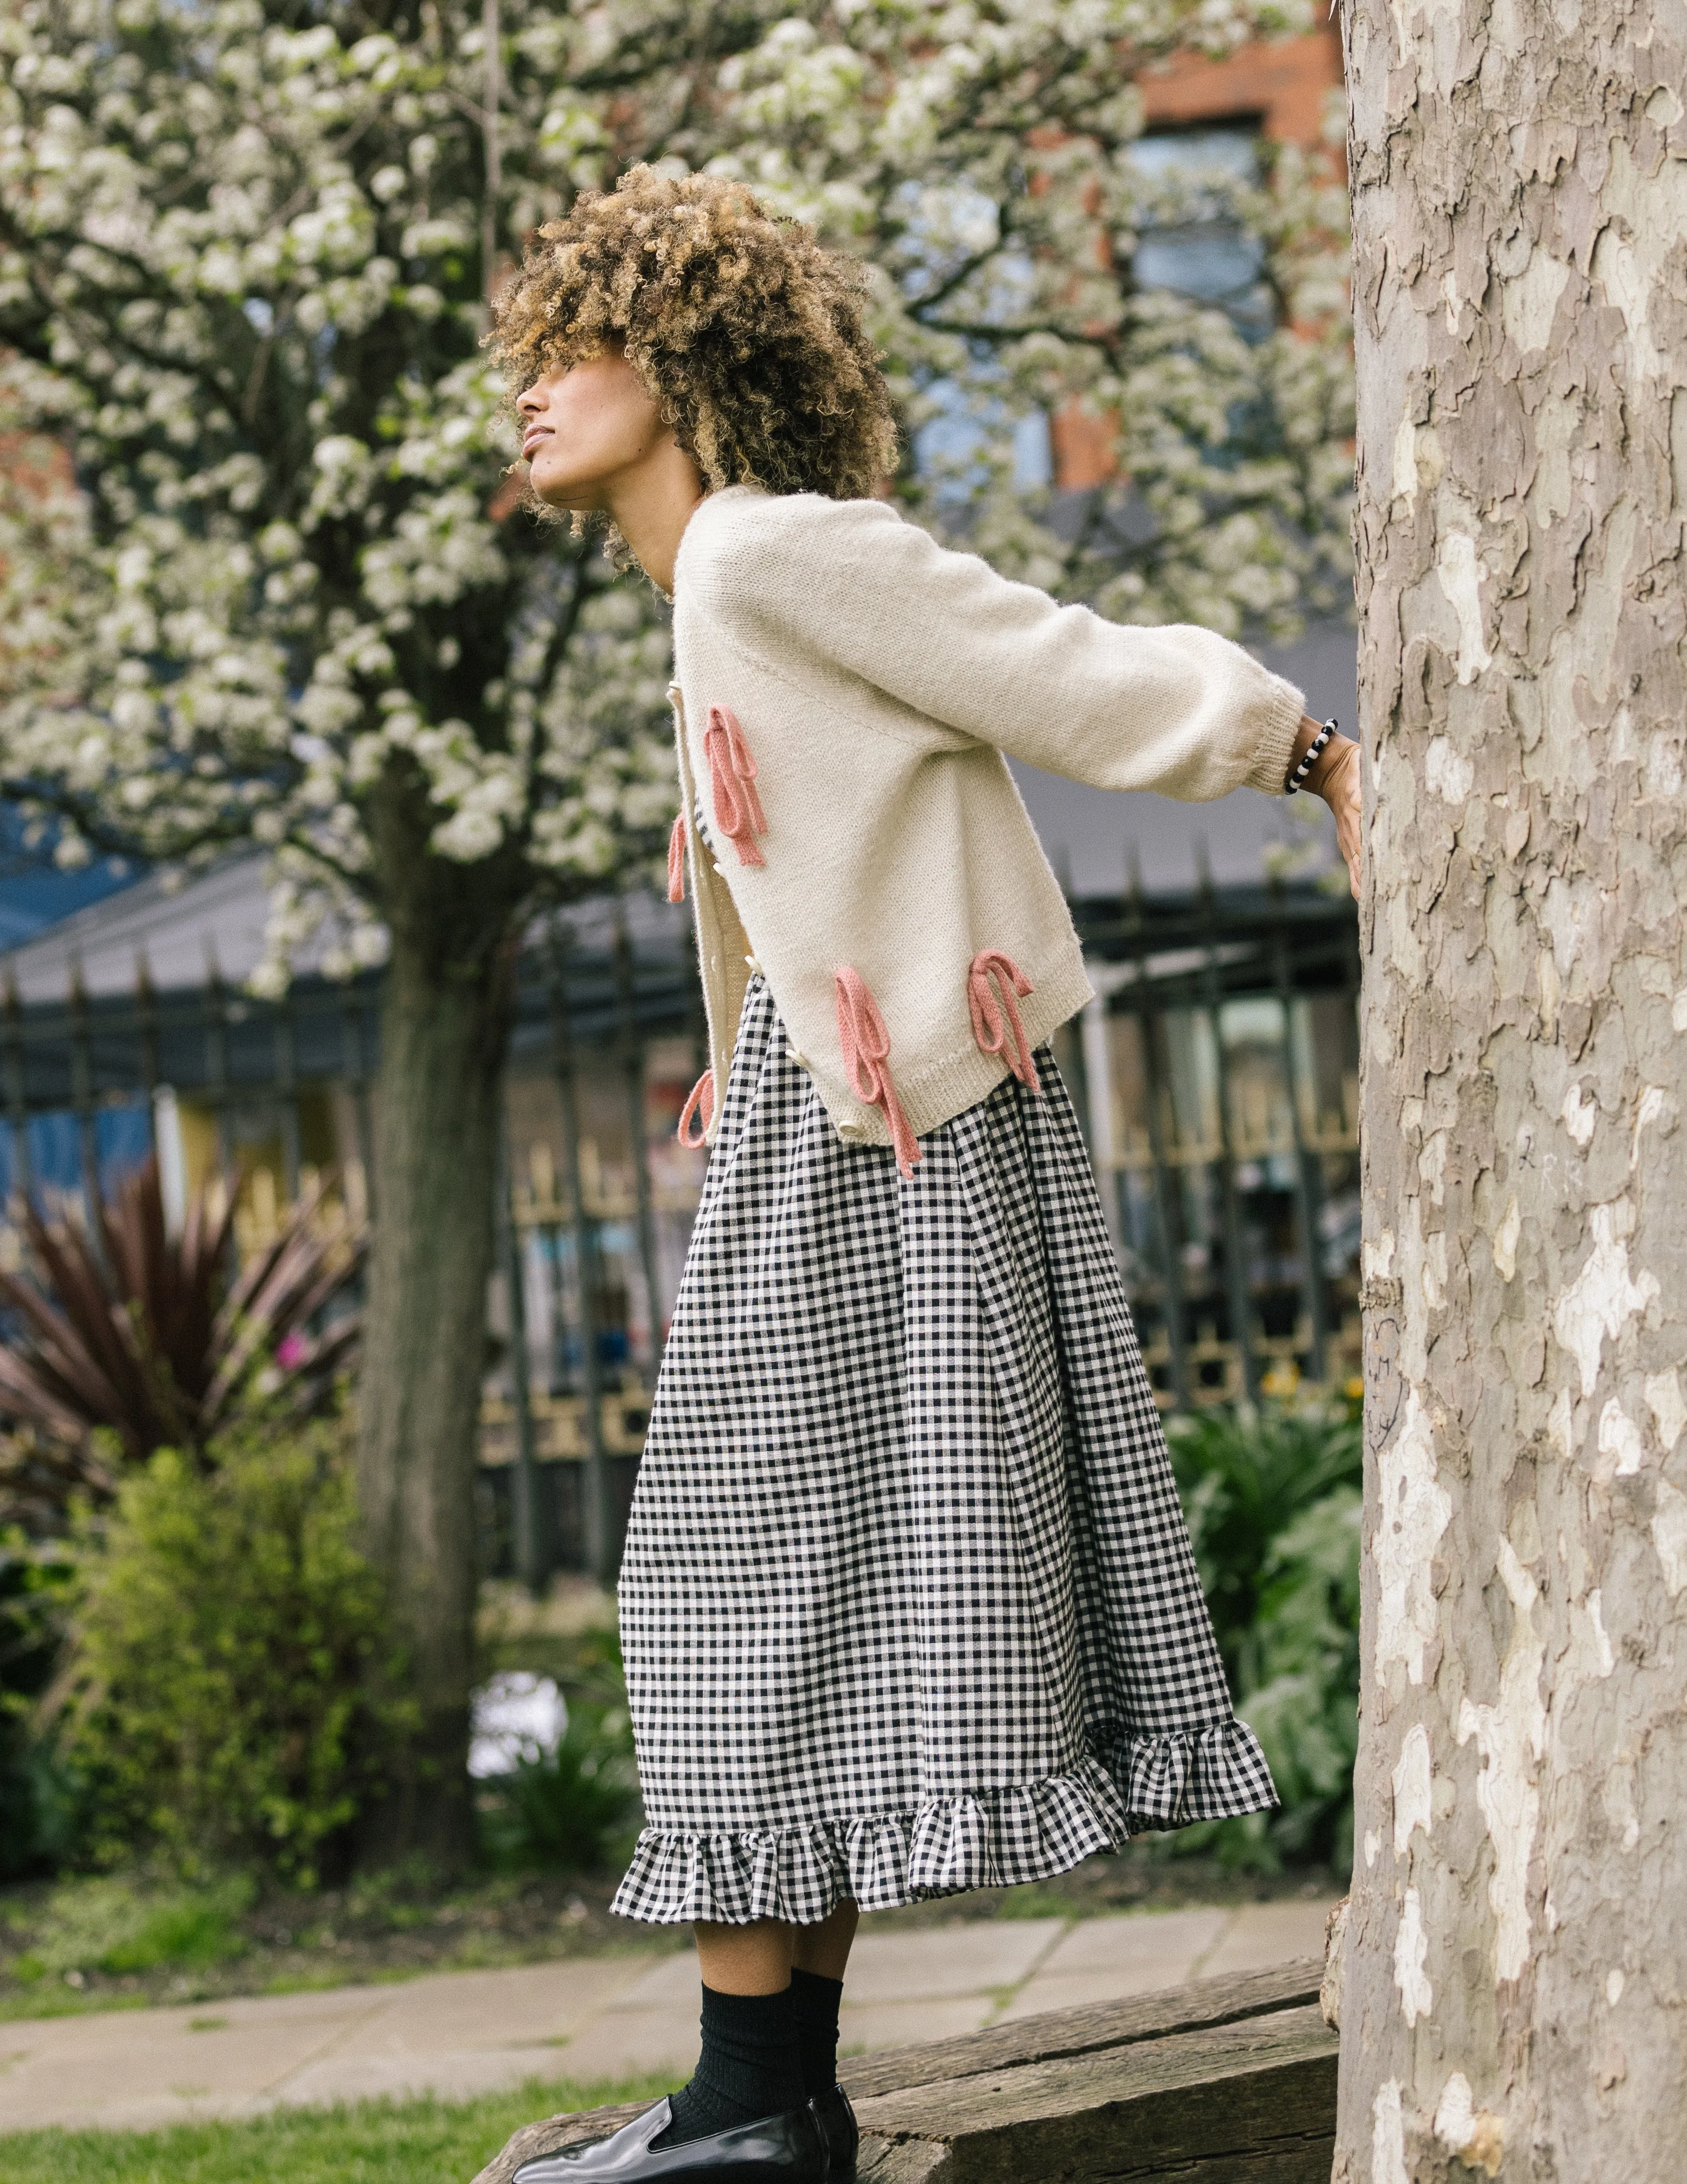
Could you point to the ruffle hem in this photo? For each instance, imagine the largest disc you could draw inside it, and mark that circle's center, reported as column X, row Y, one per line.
column 976, row 1839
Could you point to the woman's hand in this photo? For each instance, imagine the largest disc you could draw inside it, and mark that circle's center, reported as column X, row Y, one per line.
column 1336, row 779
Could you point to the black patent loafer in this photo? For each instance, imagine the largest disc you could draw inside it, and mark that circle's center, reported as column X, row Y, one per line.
column 788, row 2146
column 839, row 2131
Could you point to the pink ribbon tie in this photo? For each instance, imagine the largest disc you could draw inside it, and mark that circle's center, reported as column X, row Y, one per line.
column 866, row 1049
column 676, row 860
column 994, row 1020
column 700, row 1108
column 732, row 784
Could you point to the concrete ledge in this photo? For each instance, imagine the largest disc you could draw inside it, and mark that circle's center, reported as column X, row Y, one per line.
column 1228, row 2080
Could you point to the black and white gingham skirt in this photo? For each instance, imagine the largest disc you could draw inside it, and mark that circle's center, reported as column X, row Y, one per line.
column 907, row 1604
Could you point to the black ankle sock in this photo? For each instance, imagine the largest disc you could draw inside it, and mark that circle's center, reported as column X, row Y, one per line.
column 814, row 2003
column 750, row 2067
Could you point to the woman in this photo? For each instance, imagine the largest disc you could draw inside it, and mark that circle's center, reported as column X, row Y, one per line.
column 907, row 1601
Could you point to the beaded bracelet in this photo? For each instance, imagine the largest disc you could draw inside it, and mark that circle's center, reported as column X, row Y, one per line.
column 1315, row 751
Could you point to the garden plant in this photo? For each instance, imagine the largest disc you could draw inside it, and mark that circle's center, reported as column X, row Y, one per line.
column 229, row 1694
column 37, row 1817
column 1273, row 1499
column 126, row 1337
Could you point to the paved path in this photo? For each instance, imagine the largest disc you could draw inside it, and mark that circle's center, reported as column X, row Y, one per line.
column 458, row 2034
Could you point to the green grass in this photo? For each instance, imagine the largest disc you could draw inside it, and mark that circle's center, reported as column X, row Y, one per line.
column 426, row 2142
column 128, row 1940
column 65, row 2002
column 112, row 1923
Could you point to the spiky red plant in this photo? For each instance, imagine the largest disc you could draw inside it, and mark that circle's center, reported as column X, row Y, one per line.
column 144, row 1333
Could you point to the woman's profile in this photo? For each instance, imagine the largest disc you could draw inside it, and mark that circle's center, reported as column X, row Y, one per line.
column 907, row 1601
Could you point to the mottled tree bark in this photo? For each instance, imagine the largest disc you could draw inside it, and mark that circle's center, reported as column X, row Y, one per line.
column 444, row 1029
column 1515, row 1997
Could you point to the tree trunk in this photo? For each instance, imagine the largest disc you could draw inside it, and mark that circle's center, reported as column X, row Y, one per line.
column 444, row 1028
column 1514, row 2002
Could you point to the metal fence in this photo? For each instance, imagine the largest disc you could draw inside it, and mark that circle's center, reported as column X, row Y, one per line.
column 1215, row 1074
column 1221, row 1066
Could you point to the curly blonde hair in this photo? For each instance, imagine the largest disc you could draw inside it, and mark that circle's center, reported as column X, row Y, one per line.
column 746, row 333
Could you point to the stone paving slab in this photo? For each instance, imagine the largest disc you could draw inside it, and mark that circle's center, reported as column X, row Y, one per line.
column 629, row 2043
column 136, row 2067
column 875, row 2025
column 522, row 2007
column 1109, row 1959
column 459, row 2034
column 1262, row 1935
column 462, row 2076
column 1160, row 1943
column 947, row 1960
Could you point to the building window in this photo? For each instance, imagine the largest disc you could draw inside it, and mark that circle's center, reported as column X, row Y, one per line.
column 1194, row 241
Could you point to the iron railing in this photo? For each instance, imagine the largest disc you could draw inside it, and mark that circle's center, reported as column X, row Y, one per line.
column 1215, row 1074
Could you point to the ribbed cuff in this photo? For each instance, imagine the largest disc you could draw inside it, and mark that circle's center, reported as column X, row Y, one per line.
column 1275, row 749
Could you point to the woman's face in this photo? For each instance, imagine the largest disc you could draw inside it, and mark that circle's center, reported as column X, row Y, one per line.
column 586, row 427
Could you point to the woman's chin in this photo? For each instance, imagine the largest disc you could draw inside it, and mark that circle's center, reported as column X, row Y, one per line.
column 555, row 492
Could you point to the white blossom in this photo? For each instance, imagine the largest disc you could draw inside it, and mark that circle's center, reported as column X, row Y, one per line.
column 256, row 577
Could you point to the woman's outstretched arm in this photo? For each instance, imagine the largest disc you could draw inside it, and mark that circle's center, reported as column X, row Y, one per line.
column 1175, row 709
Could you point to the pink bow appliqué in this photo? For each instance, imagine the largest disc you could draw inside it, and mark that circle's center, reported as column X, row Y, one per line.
column 866, row 1048
column 699, row 1107
column 993, row 1019
column 676, row 860
column 732, row 784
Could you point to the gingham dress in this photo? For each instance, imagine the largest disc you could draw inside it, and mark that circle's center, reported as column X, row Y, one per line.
column 907, row 1603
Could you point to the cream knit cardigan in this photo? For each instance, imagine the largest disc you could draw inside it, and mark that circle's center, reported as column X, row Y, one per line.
column 876, row 680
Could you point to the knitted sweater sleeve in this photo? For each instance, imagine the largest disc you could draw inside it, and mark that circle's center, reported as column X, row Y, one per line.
column 1175, row 709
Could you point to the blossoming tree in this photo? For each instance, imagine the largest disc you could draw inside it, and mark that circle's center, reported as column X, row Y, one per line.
column 279, row 589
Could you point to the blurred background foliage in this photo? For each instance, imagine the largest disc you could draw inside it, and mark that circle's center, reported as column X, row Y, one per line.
column 125, row 1923
column 38, row 1808
column 574, row 1809
column 570, row 1810
column 1272, row 1500
column 228, row 1689
column 125, row 1337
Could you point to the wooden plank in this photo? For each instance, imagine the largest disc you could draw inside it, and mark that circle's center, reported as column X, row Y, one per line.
column 1283, row 2131
column 1254, row 2149
column 953, row 2108
column 1057, row 2032
column 904, row 2161
column 1251, row 2100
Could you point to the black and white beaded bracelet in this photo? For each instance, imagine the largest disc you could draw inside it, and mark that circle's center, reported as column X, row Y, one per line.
column 1315, row 751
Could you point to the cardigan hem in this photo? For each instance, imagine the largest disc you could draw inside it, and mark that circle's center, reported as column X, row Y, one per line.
column 995, row 1838
column 960, row 1080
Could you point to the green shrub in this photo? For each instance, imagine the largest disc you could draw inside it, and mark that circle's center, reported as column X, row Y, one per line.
column 228, row 1641
column 566, row 1813
column 37, row 1805
column 118, row 1924
column 1273, row 1499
